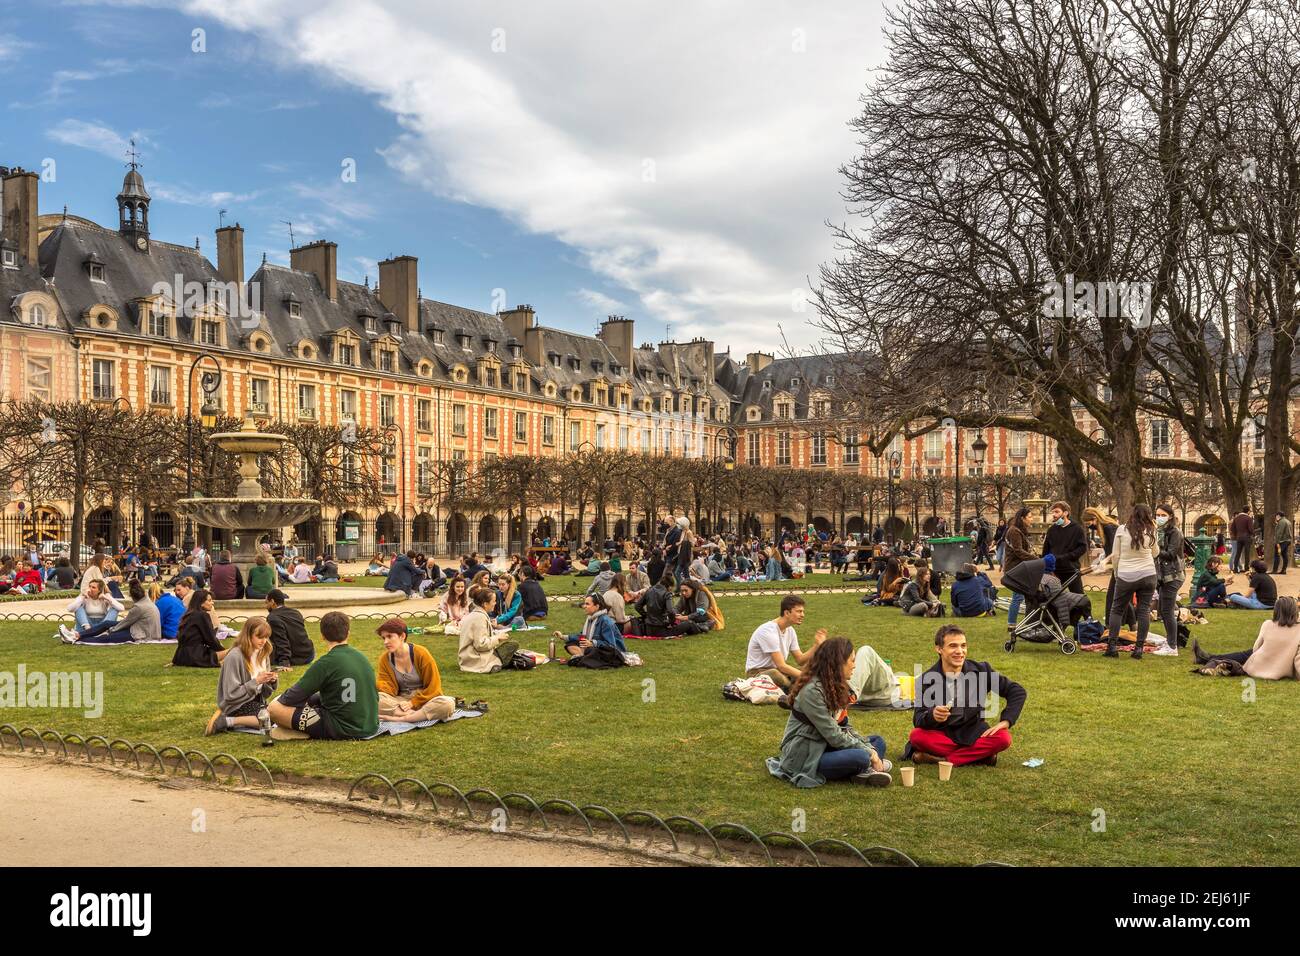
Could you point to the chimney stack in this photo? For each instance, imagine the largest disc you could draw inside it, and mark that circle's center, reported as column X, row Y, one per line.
column 321, row 259
column 757, row 361
column 616, row 333
column 399, row 289
column 230, row 254
column 19, row 213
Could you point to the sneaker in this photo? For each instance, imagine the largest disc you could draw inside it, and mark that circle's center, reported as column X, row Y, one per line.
column 886, row 765
column 216, row 724
column 1137, row 654
column 872, row 778
column 920, row 756
column 990, row 761
column 1165, row 651
column 67, row 634
column 1110, row 651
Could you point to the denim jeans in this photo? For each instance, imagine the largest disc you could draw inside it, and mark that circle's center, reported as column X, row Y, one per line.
column 1251, row 602
column 1144, row 588
column 1168, row 592
column 839, row 764
column 1016, row 600
column 85, row 621
column 1212, row 595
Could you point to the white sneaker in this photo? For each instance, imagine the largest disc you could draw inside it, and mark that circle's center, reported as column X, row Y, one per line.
column 67, row 635
column 1165, row 651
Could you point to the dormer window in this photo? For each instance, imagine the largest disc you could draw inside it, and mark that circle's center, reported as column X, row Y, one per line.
column 387, row 360
column 8, row 254
column 393, row 327
column 370, row 323
column 437, row 336
column 665, row 379
column 830, row 379
column 516, row 350
column 95, row 268
column 767, row 386
column 796, row 382
column 490, row 345
column 597, row 365
column 346, row 354
column 616, row 369
column 463, row 339
column 293, row 306
column 575, row 363
column 554, row 358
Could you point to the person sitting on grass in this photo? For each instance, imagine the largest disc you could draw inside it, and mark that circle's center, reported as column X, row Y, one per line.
column 170, row 609
column 300, row 572
column 405, row 577
column 409, row 685
column 532, row 599
column 378, row 565
column 973, row 594
column 225, row 580
column 774, row 646
column 326, row 570
column 693, row 605
column 197, row 644
column 262, row 577
column 1276, row 653
column 140, row 623
column 509, row 600
column 915, row 599
column 637, row 581
column 455, row 603
column 95, row 606
column 482, row 650
column 616, row 602
column 1210, row 589
column 246, row 683
column 1262, row 594
column 655, row 608
column 599, row 634
column 819, row 744
column 290, row 645
column 603, row 577
column 336, row 698
column 948, row 718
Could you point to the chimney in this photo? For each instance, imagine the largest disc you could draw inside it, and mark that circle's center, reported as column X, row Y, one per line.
column 230, row 254
column 616, row 333
column 321, row 259
column 399, row 289
column 757, row 361
column 519, row 320
column 18, row 212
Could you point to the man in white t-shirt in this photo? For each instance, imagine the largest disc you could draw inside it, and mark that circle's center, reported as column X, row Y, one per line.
column 774, row 645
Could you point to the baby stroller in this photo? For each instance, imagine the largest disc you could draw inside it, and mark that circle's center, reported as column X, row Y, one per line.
column 1050, row 607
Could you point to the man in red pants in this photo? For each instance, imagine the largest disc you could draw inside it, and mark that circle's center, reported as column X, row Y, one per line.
column 949, row 720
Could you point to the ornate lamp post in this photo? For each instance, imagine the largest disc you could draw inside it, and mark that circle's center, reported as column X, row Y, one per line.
column 895, row 469
column 978, row 449
column 209, row 382
column 389, row 431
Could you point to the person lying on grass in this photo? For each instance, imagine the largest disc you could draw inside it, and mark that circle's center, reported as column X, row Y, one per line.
column 598, row 630
column 246, row 683
column 197, row 644
column 819, row 744
column 409, row 685
column 774, row 645
column 482, row 649
column 336, row 698
column 1276, row 653
column 949, row 719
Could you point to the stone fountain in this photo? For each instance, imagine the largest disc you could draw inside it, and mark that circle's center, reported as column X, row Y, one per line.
column 249, row 515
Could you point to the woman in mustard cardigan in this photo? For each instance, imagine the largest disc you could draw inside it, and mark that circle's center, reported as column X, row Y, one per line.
column 410, row 687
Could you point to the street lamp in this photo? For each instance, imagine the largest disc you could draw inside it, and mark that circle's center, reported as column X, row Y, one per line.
column 210, row 382
column 583, row 447
column 1098, row 435
column 401, row 488
column 978, row 449
column 956, row 490
column 895, row 468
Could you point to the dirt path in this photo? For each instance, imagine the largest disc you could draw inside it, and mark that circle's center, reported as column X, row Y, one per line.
column 61, row 815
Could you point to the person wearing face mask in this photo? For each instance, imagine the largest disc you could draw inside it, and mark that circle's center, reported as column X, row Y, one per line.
column 1170, row 571
column 1065, row 541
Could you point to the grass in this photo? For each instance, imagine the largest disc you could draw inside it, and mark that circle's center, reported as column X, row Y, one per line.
column 1185, row 771
column 46, row 595
column 565, row 584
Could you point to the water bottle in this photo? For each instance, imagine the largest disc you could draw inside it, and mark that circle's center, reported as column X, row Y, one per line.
column 415, row 630
column 551, row 648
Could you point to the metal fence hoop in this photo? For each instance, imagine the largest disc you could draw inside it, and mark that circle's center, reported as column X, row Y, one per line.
column 270, row 780
column 58, row 737
column 375, row 776
column 422, row 789
column 156, row 756
column 125, row 748
column 17, row 736
column 889, row 850
column 182, row 761
column 701, row 828
column 493, row 794
column 90, row 755
column 208, row 763
column 646, row 814
column 234, row 765
column 848, row 847
column 442, row 785
column 34, row 734
column 741, row 828
column 793, row 839
column 532, row 805
column 613, row 818
column 572, row 806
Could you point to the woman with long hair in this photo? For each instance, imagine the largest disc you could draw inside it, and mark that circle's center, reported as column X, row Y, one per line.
column 916, row 599
column 616, row 600
column 455, row 603
column 196, row 638
column 819, row 744
column 508, row 598
column 1134, row 562
column 891, row 581
column 247, row 681
column 1018, row 548
column 1276, row 653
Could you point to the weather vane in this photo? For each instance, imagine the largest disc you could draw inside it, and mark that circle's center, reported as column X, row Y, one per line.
column 134, row 154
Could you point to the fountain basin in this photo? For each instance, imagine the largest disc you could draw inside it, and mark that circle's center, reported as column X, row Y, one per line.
column 240, row 514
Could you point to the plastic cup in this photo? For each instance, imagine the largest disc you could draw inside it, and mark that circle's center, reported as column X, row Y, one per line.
column 908, row 775
column 945, row 769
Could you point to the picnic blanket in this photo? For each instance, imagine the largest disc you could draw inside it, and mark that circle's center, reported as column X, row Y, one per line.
column 125, row 643
column 388, row 728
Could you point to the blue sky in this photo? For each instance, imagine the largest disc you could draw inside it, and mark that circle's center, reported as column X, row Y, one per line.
column 675, row 167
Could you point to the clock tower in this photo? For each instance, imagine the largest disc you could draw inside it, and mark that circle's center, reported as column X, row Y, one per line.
column 133, row 207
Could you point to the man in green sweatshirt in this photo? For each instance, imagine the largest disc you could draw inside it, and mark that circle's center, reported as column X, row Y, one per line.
column 337, row 698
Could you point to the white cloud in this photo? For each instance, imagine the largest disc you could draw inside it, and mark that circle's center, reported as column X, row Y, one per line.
column 95, row 137
column 191, row 197
column 11, row 46
column 689, row 153
column 599, row 301
column 62, row 80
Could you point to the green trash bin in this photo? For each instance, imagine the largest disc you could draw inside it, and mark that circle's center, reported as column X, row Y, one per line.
column 947, row 555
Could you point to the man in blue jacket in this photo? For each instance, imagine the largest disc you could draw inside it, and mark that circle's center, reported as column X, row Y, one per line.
column 972, row 593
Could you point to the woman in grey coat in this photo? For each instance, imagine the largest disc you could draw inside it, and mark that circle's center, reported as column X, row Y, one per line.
column 819, row 744
column 247, row 681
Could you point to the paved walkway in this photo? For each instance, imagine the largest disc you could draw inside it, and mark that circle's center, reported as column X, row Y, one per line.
column 163, row 823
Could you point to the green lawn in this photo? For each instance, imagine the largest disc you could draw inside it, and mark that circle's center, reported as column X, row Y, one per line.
column 1184, row 770
column 562, row 584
